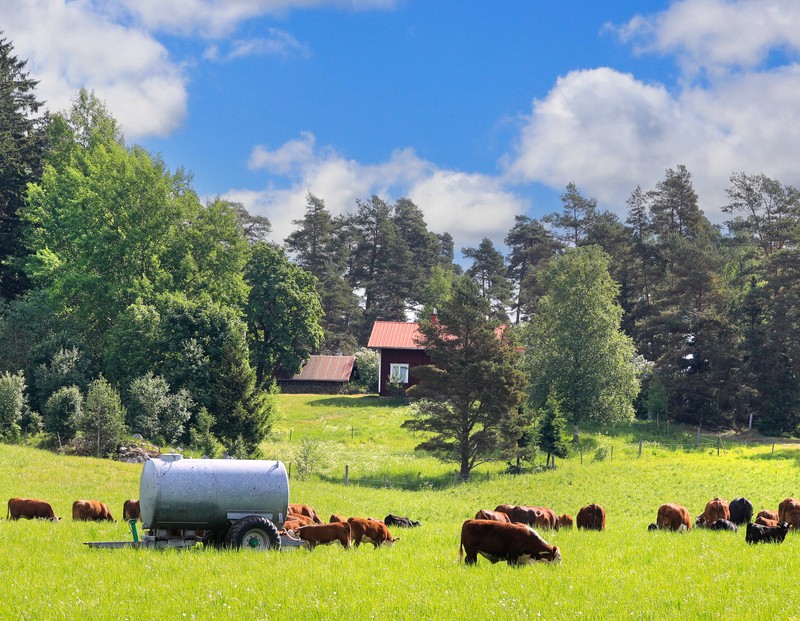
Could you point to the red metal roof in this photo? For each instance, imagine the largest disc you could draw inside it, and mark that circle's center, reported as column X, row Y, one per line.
column 326, row 369
column 395, row 335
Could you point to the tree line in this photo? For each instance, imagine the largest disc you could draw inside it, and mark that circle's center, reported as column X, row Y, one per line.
column 115, row 277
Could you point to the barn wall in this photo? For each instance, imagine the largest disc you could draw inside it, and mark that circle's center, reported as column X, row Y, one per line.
column 411, row 357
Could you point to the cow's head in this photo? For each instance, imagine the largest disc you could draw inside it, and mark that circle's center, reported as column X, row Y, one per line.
column 389, row 542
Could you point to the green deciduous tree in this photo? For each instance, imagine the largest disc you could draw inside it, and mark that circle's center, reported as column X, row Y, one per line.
column 101, row 422
column 468, row 397
column 13, row 404
column 575, row 347
column 283, row 312
column 62, row 411
column 155, row 412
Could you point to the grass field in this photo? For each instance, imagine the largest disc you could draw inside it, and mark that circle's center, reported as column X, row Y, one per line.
column 624, row 573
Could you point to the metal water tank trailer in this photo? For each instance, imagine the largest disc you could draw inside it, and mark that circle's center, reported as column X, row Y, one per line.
column 213, row 494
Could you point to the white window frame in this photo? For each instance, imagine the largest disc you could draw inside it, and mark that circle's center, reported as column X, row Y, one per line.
column 398, row 370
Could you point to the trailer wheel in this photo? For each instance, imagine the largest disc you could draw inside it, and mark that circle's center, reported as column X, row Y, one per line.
column 253, row 532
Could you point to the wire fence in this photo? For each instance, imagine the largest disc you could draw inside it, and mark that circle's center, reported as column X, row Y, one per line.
column 588, row 452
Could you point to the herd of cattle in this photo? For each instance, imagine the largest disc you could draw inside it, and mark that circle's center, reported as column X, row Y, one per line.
column 505, row 534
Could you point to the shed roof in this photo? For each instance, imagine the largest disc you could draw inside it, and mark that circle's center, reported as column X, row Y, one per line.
column 395, row 335
column 326, row 369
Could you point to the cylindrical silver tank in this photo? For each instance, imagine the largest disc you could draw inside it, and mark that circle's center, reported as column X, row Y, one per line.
column 177, row 493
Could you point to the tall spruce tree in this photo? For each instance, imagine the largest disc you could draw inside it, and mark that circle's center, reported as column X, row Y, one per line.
column 23, row 140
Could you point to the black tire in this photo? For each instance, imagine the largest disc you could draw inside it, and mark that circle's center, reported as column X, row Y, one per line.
column 253, row 532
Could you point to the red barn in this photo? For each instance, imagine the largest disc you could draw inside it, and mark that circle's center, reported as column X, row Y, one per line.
column 398, row 344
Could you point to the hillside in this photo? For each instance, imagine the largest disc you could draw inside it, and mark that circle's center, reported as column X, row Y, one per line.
column 624, row 572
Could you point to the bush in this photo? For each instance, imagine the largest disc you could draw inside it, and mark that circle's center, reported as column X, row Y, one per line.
column 102, row 422
column 61, row 411
column 13, row 404
column 368, row 365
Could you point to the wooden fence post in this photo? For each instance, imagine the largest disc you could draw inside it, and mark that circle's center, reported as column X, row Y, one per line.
column 640, row 447
column 346, row 474
column 455, row 478
column 719, row 443
column 290, row 435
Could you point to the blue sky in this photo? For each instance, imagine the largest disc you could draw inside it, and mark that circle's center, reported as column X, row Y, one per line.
column 478, row 111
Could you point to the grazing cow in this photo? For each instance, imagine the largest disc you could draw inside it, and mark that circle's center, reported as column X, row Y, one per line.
column 497, row 516
column 304, row 520
column 541, row 517
column 307, row 510
column 592, row 517
column 93, row 510
column 673, row 517
column 766, row 534
column 507, row 509
column 323, row 534
column 789, row 511
column 741, row 511
column 498, row 541
column 763, row 521
column 399, row 520
column 30, row 508
column 371, row 531
column 565, row 521
column 335, row 517
column 131, row 511
column 723, row 524
column 768, row 515
column 716, row 509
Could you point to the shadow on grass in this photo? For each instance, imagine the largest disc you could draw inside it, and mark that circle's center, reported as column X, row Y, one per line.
column 409, row 481
column 779, row 453
column 366, row 401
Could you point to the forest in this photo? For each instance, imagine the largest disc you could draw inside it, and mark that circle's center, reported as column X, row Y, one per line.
column 127, row 302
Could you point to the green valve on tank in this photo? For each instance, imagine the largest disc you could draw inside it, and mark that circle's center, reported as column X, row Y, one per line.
column 133, row 530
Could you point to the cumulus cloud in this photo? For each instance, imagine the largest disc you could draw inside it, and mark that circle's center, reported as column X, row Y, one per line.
column 68, row 46
column 608, row 131
column 716, row 36
column 468, row 206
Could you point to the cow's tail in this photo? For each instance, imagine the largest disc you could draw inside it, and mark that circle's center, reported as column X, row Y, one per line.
column 460, row 551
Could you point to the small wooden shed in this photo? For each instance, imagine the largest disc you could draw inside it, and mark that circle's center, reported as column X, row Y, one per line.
column 321, row 374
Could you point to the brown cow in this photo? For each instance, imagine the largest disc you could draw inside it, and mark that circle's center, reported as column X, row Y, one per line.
column 323, row 534
column 673, row 517
column 498, row 541
column 789, row 511
column 29, row 508
column 130, row 510
column 565, row 521
column 541, row 517
column 306, row 510
column 716, row 509
column 762, row 521
column 91, row 510
column 768, row 515
column 371, row 531
column 592, row 517
column 303, row 520
column 497, row 516
column 335, row 517
column 507, row 509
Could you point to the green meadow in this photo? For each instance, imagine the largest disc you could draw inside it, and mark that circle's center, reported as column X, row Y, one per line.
column 626, row 572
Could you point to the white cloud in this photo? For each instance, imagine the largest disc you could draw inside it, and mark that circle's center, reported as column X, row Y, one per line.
column 467, row 206
column 718, row 35
column 68, row 46
column 278, row 43
column 217, row 18
column 608, row 131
